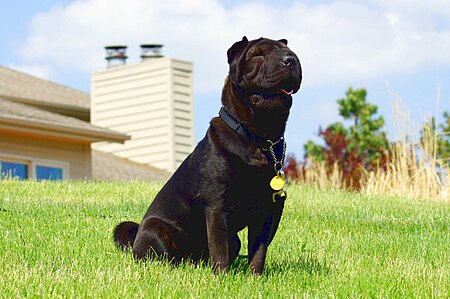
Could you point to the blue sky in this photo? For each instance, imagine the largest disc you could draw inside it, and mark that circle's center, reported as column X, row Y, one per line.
column 395, row 48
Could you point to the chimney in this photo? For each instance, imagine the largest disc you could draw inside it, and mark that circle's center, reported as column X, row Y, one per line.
column 153, row 102
column 150, row 51
column 116, row 55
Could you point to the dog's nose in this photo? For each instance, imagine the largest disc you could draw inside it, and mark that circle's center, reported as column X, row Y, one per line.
column 288, row 60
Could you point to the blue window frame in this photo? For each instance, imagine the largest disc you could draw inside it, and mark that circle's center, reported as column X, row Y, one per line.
column 48, row 173
column 13, row 170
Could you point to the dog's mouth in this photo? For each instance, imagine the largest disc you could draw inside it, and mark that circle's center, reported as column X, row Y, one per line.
column 286, row 91
column 285, row 88
column 275, row 91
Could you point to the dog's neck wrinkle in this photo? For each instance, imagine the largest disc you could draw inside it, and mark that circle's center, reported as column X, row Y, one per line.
column 238, row 109
column 266, row 124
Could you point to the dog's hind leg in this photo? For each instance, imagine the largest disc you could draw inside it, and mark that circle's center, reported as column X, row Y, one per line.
column 156, row 238
column 125, row 233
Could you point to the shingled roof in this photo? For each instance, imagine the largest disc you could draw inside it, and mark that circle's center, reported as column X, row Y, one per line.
column 30, row 90
column 107, row 167
column 20, row 117
column 22, row 86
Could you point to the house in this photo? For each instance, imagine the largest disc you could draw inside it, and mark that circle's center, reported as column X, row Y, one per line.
column 46, row 134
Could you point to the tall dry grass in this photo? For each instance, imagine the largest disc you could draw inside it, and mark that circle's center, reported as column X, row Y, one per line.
column 413, row 169
column 317, row 174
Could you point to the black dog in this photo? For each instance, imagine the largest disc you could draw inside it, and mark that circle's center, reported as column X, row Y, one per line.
column 233, row 178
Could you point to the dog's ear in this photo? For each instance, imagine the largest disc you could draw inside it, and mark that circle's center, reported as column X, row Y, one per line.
column 284, row 41
column 235, row 48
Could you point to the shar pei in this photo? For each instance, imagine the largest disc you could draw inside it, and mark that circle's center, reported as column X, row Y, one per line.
column 233, row 179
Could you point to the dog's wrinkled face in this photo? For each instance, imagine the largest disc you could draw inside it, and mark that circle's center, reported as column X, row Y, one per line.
column 266, row 69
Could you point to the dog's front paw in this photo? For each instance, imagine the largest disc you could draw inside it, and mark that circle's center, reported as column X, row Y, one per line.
column 257, row 268
column 220, row 267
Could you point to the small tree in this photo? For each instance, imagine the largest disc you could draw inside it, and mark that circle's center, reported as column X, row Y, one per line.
column 361, row 146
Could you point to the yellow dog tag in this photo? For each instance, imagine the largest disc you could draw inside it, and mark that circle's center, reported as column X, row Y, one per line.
column 277, row 183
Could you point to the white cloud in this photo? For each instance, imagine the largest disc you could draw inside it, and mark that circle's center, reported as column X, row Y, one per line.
column 336, row 42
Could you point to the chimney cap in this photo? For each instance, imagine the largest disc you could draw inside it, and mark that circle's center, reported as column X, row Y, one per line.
column 115, row 47
column 152, row 45
column 149, row 51
column 116, row 55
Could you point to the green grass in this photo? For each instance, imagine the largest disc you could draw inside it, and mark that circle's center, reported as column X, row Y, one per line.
column 55, row 241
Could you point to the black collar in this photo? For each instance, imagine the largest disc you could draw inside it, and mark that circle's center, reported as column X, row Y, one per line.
column 239, row 128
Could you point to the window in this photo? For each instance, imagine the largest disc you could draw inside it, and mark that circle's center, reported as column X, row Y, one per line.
column 48, row 173
column 13, row 170
column 22, row 168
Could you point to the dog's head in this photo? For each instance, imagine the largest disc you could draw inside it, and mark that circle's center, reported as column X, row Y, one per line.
column 266, row 70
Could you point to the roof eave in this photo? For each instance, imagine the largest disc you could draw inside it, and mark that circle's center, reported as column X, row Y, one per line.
column 60, row 131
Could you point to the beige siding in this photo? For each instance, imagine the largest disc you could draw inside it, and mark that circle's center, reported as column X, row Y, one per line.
column 183, row 106
column 77, row 155
column 151, row 101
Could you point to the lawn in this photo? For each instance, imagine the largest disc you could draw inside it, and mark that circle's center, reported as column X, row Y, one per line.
column 55, row 241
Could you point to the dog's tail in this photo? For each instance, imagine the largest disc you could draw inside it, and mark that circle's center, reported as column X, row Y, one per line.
column 125, row 233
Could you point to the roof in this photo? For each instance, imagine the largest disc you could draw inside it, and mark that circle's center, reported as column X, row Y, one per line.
column 28, row 89
column 23, row 118
column 107, row 167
